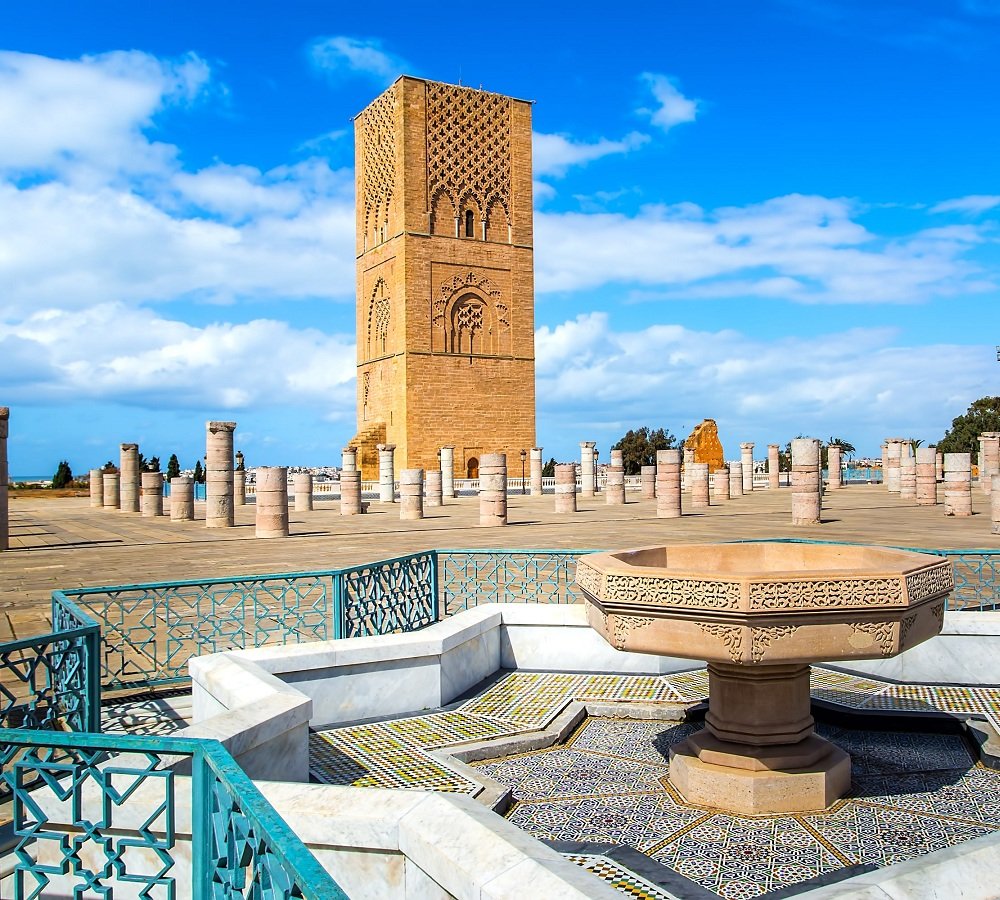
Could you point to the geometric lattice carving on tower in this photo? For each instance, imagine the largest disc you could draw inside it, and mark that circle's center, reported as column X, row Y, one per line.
column 468, row 148
column 379, row 312
column 378, row 146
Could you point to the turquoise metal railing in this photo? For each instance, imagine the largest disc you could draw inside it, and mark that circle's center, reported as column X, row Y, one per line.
column 388, row 596
column 88, row 822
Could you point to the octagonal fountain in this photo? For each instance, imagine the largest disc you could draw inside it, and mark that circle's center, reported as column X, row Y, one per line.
column 760, row 613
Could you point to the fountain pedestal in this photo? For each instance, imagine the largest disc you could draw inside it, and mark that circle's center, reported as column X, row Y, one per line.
column 759, row 614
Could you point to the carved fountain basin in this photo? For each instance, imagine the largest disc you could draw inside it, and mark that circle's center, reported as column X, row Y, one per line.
column 759, row 613
column 765, row 603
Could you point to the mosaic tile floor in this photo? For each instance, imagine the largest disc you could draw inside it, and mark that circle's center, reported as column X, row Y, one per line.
column 912, row 793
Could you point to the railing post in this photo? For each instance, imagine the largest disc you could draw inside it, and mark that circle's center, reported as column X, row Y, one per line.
column 93, row 644
column 202, row 863
column 435, row 594
column 337, row 605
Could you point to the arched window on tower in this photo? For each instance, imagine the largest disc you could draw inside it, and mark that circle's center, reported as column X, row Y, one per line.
column 470, row 224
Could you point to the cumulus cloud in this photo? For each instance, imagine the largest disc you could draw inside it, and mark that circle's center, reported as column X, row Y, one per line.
column 553, row 154
column 801, row 248
column 973, row 205
column 340, row 54
column 671, row 106
column 858, row 382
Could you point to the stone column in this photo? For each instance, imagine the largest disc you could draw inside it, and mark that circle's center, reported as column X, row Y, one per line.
column 97, row 487
column 618, row 459
column 995, row 503
column 957, row 484
column 647, row 482
column 565, row 488
column 773, row 466
column 111, row 495
column 939, row 466
column 302, row 484
column 219, row 509
column 587, row 468
column 746, row 461
column 448, row 472
column 885, row 464
column 907, row 472
column 411, row 494
column 536, row 471
column 240, row 487
column 926, row 476
column 893, row 452
column 272, row 501
column 736, row 482
column 151, row 502
column 720, row 484
column 668, row 484
column 493, row 489
column 835, row 478
column 128, row 482
column 432, row 488
column 806, row 482
column 989, row 459
column 350, row 492
column 614, row 488
column 386, row 473
column 697, row 474
column 5, row 479
column 348, row 459
column 181, row 498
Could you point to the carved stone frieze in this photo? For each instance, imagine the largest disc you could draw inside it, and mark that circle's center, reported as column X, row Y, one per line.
column 761, row 638
column 730, row 635
column 625, row 625
column 930, row 582
column 848, row 592
column 680, row 592
column 589, row 580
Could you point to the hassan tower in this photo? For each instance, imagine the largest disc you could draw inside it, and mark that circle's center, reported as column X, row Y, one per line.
column 445, row 294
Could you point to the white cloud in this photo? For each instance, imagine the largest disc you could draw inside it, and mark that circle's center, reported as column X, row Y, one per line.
column 672, row 107
column 857, row 382
column 802, row 248
column 340, row 54
column 972, row 205
column 553, row 154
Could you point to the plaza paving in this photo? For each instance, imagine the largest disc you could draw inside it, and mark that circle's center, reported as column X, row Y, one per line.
column 64, row 543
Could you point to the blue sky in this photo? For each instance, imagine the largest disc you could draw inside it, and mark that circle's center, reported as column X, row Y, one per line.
column 783, row 215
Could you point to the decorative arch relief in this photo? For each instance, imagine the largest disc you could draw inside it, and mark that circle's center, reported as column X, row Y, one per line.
column 469, row 316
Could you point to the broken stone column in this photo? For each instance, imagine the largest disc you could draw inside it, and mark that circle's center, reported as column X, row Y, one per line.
column 302, row 484
column 448, row 473
column 350, row 492
column 736, row 482
column 773, row 466
column 688, row 456
column 348, row 459
column 939, row 466
column 565, row 488
column 151, row 501
column 668, row 484
column 587, row 468
column 220, row 511
column 386, row 473
column 885, row 463
column 907, row 472
column 697, row 476
column 536, row 471
column 411, row 494
column 647, row 482
column 806, row 482
column 958, row 484
column 926, row 476
column 111, row 495
column 835, row 477
column 272, row 501
column 97, row 487
column 746, row 462
column 893, row 452
column 432, row 488
column 995, row 503
column 181, row 498
column 240, row 487
column 989, row 459
column 618, row 459
column 493, row 489
column 128, row 481
column 614, row 487
column 5, row 480
column 720, row 484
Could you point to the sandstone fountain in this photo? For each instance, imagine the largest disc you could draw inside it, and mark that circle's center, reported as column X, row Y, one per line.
column 759, row 614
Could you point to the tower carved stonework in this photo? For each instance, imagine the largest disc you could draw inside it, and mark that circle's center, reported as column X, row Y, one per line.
column 445, row 292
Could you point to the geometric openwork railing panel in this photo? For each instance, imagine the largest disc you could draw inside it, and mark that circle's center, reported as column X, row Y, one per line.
column 976, row 583
column 98, row 816
column 388, row 597
column 470, row 577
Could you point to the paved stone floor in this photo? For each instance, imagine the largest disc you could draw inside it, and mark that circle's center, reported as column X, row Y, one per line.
column 603, row 799
column 65, row 543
